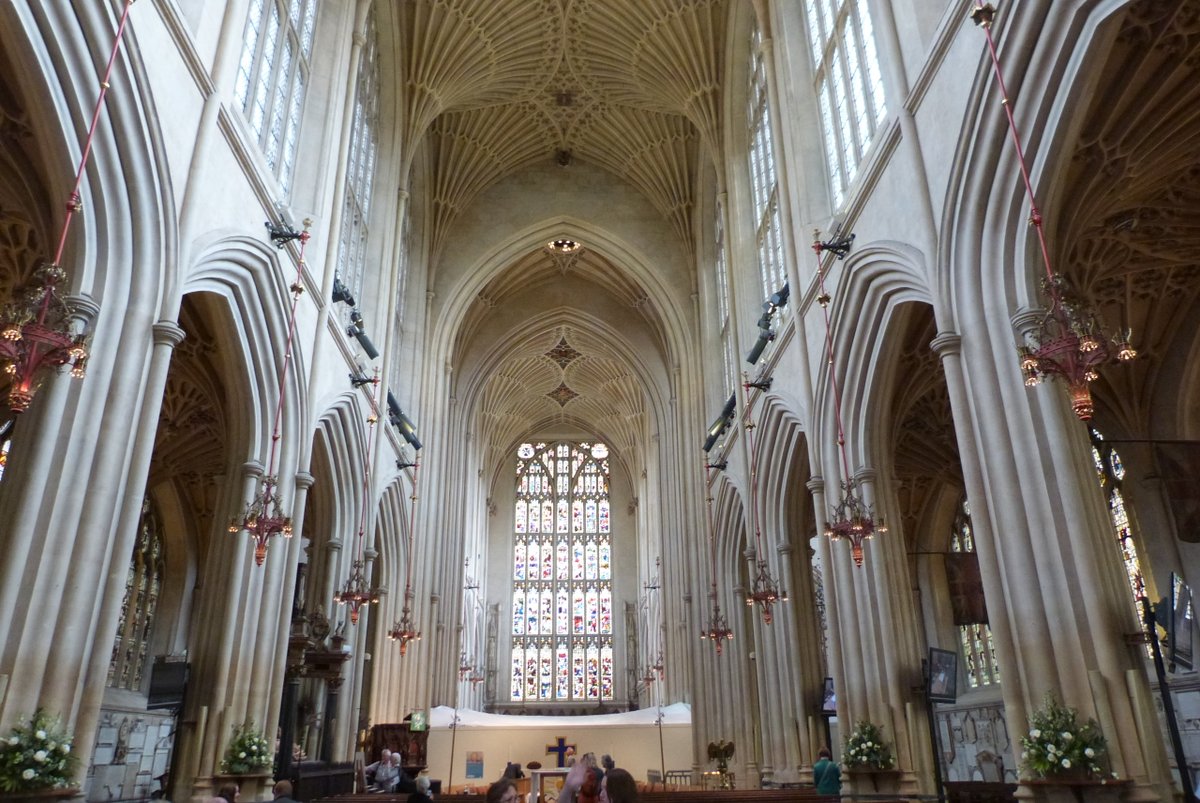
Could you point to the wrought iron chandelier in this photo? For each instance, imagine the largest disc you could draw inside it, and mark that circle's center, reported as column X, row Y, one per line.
column 852, row 518
column 264, row 516
column 37, row 330
column 765, row 590
column 404, row 630
column 1069, row 343
column 357, row 592
column 718, row 630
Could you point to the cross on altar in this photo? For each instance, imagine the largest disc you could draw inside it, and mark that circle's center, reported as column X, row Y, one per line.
column 560, row 749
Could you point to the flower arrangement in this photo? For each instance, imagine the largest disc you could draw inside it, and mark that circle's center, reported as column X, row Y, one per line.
column 248, row 752
column 1057, row 743
column 866, row 748
column 36, row 756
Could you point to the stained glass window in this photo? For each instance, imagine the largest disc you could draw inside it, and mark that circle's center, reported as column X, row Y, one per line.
column 143, row 584
column 562, row 621
column 978, row 649
column 5, row 443
column 273, row 75
column 848, row 84
column 764, row 186
column 1111, row 473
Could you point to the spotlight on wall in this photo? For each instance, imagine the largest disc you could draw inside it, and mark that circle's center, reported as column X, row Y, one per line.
column 406, row 428
column 718, row 426
column 357, row 329
column 778, row 299
column 765, row 336
column 341, row 293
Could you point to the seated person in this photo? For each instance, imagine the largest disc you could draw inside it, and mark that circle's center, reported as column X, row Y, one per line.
column 385, row 757
column 421, row 795
column 387, row 773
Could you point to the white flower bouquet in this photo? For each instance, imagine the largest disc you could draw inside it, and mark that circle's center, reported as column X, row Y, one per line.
column 248, row 752
column 865, row 748
column 36, row 756
column 1058, row 744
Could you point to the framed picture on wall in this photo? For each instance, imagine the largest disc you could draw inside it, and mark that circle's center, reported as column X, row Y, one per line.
column 943, row 675
column 829, row 700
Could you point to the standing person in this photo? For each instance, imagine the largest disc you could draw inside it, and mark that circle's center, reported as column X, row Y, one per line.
column 581, row 785
column 618, row 786
column 282, row 792
column 827, row 775
column 606, row 764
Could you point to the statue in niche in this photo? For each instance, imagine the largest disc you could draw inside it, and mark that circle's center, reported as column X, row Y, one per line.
column 122, row 746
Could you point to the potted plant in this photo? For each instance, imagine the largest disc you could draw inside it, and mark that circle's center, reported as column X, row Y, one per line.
column 866, row 749
column 870, row 765
column 1059, row 750
column 36, row 761
column 248, row 761
column 1059, row 745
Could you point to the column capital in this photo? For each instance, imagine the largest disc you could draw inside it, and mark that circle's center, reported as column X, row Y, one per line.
column 84, row 307
column 304, row 480
column 168, row 333
column 1025, row 320
column 816, row 484
column 252, row 468
column 947, row 344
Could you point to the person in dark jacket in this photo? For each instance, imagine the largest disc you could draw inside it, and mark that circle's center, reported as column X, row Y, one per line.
column 827, row 775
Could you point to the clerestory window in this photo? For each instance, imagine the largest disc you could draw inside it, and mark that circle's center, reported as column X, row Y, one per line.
column 764, row 186
column 848, row 83
column 273, row 75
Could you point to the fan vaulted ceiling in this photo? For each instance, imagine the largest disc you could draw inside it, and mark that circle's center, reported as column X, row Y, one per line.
column 632, row 86
column 493, row 87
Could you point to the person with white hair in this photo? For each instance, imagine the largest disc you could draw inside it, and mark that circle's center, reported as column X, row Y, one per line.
column 422, row 793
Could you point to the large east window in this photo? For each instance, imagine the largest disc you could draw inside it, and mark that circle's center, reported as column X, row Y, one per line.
column 562, row 597
column 764, row 186
column 848, row 84
column 273, row 75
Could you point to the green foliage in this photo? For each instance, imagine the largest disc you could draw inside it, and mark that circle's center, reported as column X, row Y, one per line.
column 865, row 747
column 36, row 756
column 247, row 753
column 1057, row 743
